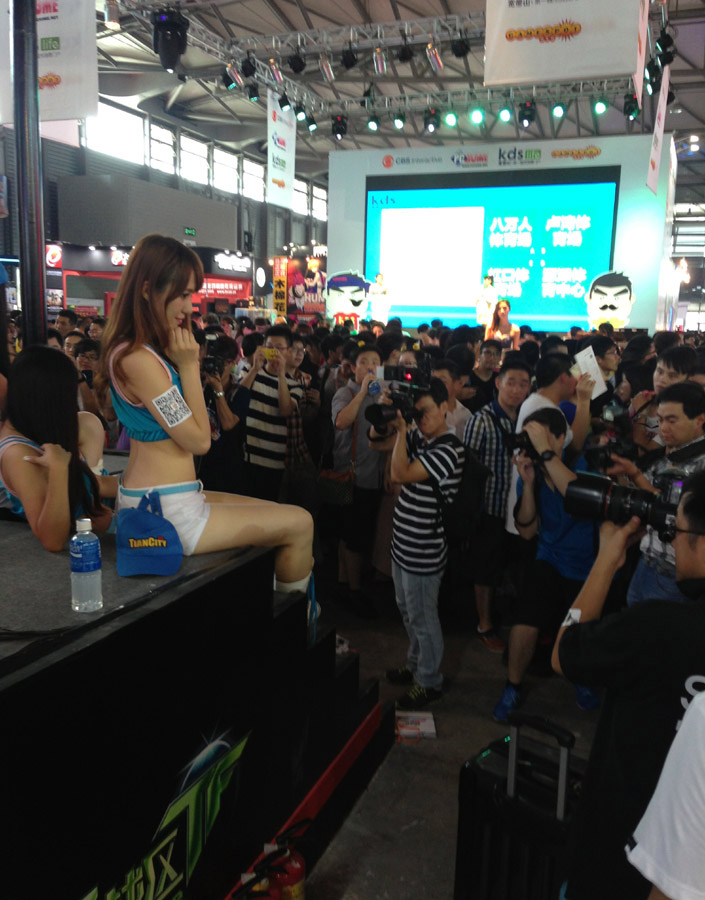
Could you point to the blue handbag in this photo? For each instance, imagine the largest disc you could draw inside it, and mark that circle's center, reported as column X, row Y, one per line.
column 147, row 543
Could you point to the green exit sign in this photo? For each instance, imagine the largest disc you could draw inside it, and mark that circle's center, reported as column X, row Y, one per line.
column 190, row 232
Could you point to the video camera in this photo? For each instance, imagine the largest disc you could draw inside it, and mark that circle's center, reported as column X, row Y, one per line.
column 601, row 499
column 521, row 442
column 404, row 384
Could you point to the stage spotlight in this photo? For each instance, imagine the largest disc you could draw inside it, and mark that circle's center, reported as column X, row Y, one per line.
column 505, row 114
column 373, row 123
column 460, row 47
column 227, row 81
column 451, row 118
column 527, row 113
column 558, row 111
column 299, row 112
column 275, row 70
column 477, row 115
column 599, row 106
column 405, row 54
column 248, row 67
column 311, row 123
column 284, row 103
column 652, row 70
column 399, row 121
column 339, row 127
column 631, row 106
column 433, row 54
column 664, row 42
column 169, row 37
column 112, row 15
column 297, row 62
column 348, row 58
column 326, row 66
column 431, row 121
column 253, row 92
column 379, row 60
column 232, row 74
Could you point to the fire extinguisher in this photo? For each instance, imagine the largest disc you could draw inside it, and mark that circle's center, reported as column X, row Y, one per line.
column 286, row 866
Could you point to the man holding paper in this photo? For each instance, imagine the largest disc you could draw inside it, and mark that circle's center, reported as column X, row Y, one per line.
column 599, row 357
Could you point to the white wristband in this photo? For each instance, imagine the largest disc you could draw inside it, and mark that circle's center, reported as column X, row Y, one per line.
column 572, row 617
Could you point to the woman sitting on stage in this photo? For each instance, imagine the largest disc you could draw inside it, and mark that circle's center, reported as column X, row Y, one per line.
column 151, row 360
column 46, row 447
column 501, row 329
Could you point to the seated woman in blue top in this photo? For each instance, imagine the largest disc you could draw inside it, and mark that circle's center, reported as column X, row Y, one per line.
column 151, row 361
column 46, row 446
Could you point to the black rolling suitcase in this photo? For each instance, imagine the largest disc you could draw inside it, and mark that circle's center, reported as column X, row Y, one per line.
column 516, row 802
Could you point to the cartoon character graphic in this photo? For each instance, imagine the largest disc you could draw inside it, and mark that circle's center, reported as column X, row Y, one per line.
column 347, row 296
column 610, row 299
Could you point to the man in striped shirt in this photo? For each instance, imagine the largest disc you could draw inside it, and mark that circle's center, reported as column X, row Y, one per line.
column 273, row 397
column 486, row 435
column 427, row 461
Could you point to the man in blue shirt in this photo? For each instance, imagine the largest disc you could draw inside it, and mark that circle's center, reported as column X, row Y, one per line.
column 565, row 554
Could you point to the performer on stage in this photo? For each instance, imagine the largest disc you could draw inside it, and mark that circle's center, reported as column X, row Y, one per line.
column 486, row 302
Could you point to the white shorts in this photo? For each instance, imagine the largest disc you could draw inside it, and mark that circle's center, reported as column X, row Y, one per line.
column 183, row 504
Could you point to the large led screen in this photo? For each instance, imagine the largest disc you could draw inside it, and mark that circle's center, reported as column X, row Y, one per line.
column 543, row 235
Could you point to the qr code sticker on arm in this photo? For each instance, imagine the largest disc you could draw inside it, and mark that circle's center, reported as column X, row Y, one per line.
column 172, row 407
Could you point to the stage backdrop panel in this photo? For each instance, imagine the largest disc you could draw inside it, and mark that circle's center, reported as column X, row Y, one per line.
column 543, row 217
column 530, row 44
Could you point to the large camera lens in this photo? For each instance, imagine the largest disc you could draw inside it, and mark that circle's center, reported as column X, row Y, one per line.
column 379, row 414
column 595, row 497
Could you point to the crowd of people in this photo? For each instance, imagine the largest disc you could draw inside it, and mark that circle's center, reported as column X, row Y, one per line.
column 350, row 443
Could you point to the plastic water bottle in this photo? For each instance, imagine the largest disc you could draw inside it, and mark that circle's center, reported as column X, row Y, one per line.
column 373, row 388
column 86, row 575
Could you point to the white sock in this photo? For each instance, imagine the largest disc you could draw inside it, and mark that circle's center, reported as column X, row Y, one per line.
column 288, row 587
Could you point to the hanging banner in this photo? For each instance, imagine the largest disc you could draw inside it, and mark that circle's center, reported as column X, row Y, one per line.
column 657, row 142
column 545, row 42
column 306, row 279
column 281, row 153
column 67, row 63
column 279, row 285
column 642, row 38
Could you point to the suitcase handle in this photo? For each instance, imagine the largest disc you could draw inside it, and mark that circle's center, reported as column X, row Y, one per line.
column 566, row 741
column 564, row 737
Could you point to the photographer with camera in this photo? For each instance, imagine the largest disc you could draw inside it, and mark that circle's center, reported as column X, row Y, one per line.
column 564, row 555
column 681, row 417
column 427, row 460
column 220, row 469
column 651, row 659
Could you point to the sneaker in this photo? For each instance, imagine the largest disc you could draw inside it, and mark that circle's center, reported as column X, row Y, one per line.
column 510, row 699
column 492, row 641
column 586, row 698
column 402, row 675
column 418, row 697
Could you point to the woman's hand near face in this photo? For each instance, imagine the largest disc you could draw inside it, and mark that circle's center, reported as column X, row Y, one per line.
column 183, row 349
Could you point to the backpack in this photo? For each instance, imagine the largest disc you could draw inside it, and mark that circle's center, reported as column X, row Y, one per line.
column 461, row 515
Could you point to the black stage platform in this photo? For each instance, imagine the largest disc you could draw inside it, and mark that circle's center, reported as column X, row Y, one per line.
column 148, row 751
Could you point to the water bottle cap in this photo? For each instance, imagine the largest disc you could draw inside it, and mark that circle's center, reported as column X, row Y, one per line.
column 83, row 524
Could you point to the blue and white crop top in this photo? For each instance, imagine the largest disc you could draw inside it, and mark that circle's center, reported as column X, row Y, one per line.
column 138, row 421
column 6, row 443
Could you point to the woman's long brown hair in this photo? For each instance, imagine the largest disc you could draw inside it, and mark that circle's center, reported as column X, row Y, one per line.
column 165, row 266
column 495, row 315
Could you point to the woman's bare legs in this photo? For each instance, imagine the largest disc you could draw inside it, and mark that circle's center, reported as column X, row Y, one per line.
column 237, row 521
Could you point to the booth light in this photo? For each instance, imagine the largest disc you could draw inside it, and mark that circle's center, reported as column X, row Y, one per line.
column 297, row 62
column 112, row 15
column 299, row 112
column 253, row 92
column 527, row 113
column 451, row 118
column 405, row 53
column 326, row 66
column 477, row 116
column 631, row 106
column 235, row 77
column 169, row 37
column 248, row 67
column 311, row 123
column 505, row 114
column 600, row 106
column 433, row 55
column 558, row 111
column 284, row 103
column 379, row 60
column 399, row 121
column 460, row 47
column 348, row 58
column 431, row 121
column 275, row 70
column 373, row 123
column 339, row 127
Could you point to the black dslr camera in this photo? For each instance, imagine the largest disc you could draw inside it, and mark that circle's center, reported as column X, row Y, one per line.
column 617, row 419
column 521, row 442
column 404, row 384
column 599, row 498
column 213, row 365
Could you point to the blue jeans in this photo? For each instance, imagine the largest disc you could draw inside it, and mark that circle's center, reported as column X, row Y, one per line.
column 417, row 599
column 649, row 584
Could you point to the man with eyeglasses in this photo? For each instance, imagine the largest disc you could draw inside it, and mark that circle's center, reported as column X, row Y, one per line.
column 681, row 418
column 651, row 660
